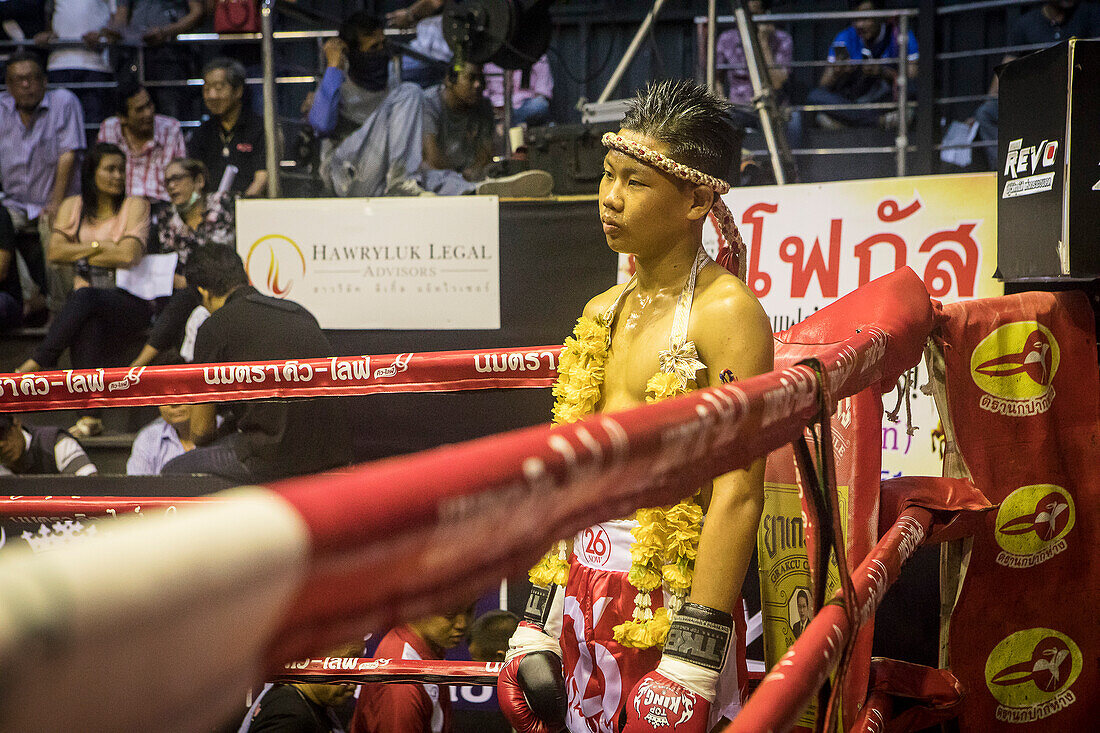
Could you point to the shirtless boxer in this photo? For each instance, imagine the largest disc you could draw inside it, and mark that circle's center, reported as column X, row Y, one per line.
column 684, row 316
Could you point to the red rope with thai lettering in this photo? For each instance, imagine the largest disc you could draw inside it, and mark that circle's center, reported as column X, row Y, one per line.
column 440, row 371
column 397, row 539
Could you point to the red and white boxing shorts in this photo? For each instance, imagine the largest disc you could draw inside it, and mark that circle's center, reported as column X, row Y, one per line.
column 600, row 672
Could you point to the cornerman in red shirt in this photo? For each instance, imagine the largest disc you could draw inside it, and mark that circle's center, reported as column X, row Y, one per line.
column 411, row 708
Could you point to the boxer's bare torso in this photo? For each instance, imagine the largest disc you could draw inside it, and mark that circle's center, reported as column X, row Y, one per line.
column 722, row 309
column 659, row 219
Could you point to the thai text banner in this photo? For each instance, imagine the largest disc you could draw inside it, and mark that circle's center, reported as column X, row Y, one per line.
column 378, row 263
column 809, row 244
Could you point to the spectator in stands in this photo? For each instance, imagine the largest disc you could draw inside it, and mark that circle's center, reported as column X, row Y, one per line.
column 43, row 135
column 272, row 439
column 11, row 292
column 233, row 135
column 96, row 233
column 532, row 90
column 458, row 141
column 21, row 19
column 401, row 708
column 193, row 220
column 429, row 41
column 376, row 136
column 149, row 140
column 778, row 50
column 458, row 124
column 301, row 707
column 413, row 13
column 161, row 440
column 488, row 642
column 1048, row 24
column 29, row 450
column 92, row 22
column 489, row 635
column 367, row 128
column 156, row 23
column 854, row 77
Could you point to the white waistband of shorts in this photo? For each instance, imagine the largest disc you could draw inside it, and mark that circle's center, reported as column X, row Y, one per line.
column 606, row 546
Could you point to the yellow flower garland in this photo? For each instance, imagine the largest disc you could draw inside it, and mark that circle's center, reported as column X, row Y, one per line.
column 666, row 538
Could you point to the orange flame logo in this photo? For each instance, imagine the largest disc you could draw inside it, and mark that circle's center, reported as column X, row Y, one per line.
column 273, row 277
column 285, row 264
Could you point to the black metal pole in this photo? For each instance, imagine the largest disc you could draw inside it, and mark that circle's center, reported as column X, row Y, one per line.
column 924, row 134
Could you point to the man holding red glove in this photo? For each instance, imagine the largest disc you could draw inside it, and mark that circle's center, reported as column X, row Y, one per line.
column 683, row 322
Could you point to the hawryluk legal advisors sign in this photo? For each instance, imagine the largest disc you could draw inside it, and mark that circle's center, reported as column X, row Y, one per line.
column 378, row 263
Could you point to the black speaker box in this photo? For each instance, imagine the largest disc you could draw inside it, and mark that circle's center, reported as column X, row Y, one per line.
column 1048, row 210
column 573, row 154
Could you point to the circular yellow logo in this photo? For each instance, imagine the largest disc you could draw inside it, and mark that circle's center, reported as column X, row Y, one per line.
column 1032, row 667
column 1032, row 518
column 1017, row 361
column 274, row 264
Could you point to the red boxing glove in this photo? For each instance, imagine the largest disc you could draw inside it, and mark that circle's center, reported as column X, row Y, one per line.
column 531, row 693
column 531, row 686
column 658, row 703
column 677, row 696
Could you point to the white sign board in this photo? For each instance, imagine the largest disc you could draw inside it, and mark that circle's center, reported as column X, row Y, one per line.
column 809, row 244
column 378, row 263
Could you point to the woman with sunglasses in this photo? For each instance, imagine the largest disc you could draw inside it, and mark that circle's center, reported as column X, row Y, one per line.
column 192, row 220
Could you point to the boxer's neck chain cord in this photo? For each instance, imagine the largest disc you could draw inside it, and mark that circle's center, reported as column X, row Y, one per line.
column 731, row 251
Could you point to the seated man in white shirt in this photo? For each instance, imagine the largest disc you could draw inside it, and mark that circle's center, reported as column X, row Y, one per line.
column 161, row 440
column 30, row 450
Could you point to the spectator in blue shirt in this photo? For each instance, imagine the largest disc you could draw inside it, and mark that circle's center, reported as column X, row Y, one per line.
column 39, row 148
column 852, row 78
column 161, row 440
column 367, row 128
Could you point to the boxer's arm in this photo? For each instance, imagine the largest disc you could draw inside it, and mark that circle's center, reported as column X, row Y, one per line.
column 732, row 333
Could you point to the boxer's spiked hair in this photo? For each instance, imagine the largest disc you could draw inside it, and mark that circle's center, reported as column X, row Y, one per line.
column 689, row 119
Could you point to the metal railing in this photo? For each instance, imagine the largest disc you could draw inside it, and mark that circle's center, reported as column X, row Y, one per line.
column 707, row 68
column 901, row 106
column 268, row 81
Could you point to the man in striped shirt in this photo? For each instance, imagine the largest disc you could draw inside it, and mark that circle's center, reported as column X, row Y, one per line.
column 150, row 141
column 26, row 449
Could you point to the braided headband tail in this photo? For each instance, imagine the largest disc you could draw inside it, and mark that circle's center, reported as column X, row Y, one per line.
column 731, row 248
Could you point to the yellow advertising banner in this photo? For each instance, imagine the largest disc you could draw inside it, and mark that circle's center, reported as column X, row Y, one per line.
column 785, row 595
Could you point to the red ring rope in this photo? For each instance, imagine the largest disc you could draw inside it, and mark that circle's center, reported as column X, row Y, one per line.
column 334, row 670
column 440, row 371
column 235, row 589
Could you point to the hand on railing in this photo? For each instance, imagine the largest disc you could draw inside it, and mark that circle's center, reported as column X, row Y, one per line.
column 94, row 40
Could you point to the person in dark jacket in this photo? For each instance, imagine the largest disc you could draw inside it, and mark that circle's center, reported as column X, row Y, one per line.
column 272, row 440
column 30, row 450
